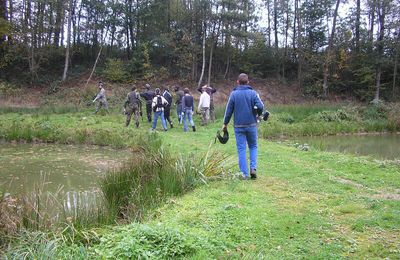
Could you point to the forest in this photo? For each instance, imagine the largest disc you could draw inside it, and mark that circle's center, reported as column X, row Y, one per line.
column 350, row 48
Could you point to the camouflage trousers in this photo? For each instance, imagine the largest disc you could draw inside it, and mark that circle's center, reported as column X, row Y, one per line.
column 205, row 115
column 132, row 110
column 102, row 104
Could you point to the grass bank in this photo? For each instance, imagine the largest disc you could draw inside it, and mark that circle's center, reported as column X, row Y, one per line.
column 305, row 204
column 70, row 125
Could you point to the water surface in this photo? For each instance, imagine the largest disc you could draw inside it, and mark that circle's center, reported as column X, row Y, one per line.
column 74, row 167
column 380, row 146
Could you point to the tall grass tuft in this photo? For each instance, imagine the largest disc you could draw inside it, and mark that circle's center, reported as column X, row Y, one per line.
column 152, row 176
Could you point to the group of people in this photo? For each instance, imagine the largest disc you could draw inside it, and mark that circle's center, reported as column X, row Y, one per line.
column 158, row 105
column 244, row 104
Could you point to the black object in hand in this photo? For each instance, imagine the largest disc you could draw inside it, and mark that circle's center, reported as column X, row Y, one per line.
column 265, row 115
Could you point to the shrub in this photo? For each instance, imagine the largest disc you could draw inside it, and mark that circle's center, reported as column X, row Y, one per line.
column 144, row 242
column 375, row 111
column 333, row 116
column 9, row 90
column 115, row 71
column 285, row 118
column 393, row 116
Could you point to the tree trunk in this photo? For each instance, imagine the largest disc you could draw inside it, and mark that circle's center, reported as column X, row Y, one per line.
column 204, row 56
column 210, row 62
column 57, row 29
column 372, row 23
column 227, row 67
column 71, row 7
column 3, row 14
column 286, row 40
column 10, row 19
column 269, row 23
column 396, row 59
column 299, row 45
column 358, row 14
column 276, row 25
column 381, row 16
column 328, row 52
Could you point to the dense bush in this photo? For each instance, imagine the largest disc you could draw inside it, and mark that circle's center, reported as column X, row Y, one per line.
column 333, row 116
column 115, row 71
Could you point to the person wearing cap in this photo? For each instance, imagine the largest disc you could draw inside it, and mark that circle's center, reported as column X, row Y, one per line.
column 210, row 91
column 132, row 106
column 158, row 105
column 101, row 98
column 244, row 104
column 167, row 109
column 148, row 96
column 179, row 95
column 187, row 110
column 204, row 107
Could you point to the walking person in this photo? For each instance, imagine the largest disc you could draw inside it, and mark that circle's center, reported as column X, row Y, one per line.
column 101, row 98
column 167, row 109
column 148, row 96
column 187, row 110
column 178, row 103
column 158, row 105
column 132, row 106
column 244, row 104
column 204, row 107
column 210, row 91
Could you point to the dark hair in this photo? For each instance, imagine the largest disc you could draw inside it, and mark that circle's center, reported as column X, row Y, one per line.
column 176, row 88
column 157, row 91
column 133, row 88
column 243, row 79
column 186, row 91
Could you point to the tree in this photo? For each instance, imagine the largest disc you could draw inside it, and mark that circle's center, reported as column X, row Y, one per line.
column 70, row 8
column 328, row 51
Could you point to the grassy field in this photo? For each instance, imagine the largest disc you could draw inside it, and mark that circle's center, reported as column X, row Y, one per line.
column 305, row 204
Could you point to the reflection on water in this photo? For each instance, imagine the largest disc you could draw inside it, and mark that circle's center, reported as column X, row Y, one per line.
column 384, row 146
column 76, row 168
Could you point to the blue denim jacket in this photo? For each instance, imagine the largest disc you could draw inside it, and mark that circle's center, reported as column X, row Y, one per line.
column 241, row 104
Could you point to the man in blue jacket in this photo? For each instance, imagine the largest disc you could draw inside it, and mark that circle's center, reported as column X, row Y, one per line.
column 244, row 103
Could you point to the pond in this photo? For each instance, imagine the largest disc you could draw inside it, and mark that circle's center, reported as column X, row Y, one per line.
column 76, row 168
column 380, row 146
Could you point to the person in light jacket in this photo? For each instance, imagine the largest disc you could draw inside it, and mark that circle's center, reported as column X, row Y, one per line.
column 158, row 105
column 204, row 107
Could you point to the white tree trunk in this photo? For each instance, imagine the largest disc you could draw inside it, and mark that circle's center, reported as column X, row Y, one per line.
column 204, row 57
column 64, row 77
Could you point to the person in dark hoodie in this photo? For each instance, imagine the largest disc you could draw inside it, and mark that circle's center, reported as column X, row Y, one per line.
column 178, row 102
column 148, row 96
column 167, row 109
column 187, row 110
column 244, row 104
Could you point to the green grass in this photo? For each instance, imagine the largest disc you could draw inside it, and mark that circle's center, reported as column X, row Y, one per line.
column 305, row 204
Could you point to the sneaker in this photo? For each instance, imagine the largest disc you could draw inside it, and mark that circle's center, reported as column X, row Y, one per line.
column 244, row 177
column 137, row 125
column 171, row 125
column 194, row 128
column 253, row 174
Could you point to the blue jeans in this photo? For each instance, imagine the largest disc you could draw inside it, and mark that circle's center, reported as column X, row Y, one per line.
column 156, row 115
column 187, row 114
column 246, row 136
